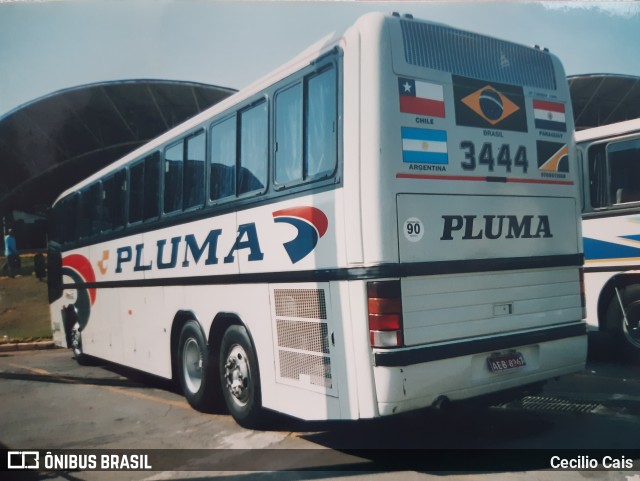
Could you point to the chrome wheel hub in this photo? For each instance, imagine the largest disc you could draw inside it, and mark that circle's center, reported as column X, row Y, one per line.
column 76, row 340
column 192, row 365
column 237, row 374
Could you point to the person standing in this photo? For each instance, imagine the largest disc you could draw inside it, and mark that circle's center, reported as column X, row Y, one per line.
column 11, row 252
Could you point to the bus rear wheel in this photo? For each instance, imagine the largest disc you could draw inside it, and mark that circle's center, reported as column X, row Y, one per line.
column 626, row 324
column 196, row 373
column 240, row 377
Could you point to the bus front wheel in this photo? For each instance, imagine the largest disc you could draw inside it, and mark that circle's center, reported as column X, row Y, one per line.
column 623, row 315
column 240, row 377
column 76, row 346
column 195, row 371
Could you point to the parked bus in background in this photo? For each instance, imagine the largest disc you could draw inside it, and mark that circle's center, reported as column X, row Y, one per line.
column 610, row 164
column 387, row 222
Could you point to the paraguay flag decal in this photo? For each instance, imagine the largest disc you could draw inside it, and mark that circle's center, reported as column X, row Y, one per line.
column 311, row 224
column 549, row 116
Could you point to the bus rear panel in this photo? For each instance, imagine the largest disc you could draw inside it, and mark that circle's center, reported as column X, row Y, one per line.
column 476, row 202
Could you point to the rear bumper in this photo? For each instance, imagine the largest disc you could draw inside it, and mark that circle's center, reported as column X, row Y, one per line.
column 415, row 378
column 407, row 357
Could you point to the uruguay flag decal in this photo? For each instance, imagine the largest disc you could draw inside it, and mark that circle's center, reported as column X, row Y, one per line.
column 311, row 224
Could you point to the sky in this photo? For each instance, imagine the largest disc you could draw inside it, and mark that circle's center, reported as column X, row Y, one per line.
column 50, row 45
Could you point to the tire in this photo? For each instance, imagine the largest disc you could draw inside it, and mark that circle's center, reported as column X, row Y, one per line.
column 240, row 378
column 76, row 347
column 195, row 370
column 627, row 334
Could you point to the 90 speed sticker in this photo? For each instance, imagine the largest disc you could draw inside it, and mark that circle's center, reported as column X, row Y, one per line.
column 413, row 229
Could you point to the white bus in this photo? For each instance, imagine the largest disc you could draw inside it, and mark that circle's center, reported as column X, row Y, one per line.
column 388, row 221
column 610, row 163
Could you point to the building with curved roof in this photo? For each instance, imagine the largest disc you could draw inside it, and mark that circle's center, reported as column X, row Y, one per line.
column 601, row 99
column 55, row 141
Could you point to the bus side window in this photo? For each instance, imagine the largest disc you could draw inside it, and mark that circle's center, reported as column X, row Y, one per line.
column 598, row 177
column 254, row 140
column 151, row 208
column 624, row 162
column 305, row 129
column 321, row 116
column 222, row 171
column 89, row 211
column 136, row 192
column 113, row 205
column 194, row 168
column 288, row 123
column 95, row 207
column 173, row 170
column 64, row 219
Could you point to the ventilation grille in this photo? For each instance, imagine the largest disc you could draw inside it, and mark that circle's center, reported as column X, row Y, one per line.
column 305, row 303
column 302, row 338
column 306, row 368
column 471, row 55
column 303, row 335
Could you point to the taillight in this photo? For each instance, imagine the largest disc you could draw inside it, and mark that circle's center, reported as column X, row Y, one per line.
column 385, row 313
column 583, row 297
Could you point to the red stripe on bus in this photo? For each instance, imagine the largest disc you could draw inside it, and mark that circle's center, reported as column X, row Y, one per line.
column 552, row 106
column 481, row 179
column 420, row 106
column 82, row 266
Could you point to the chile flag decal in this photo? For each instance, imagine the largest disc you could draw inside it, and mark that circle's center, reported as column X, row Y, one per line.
column 311, row 224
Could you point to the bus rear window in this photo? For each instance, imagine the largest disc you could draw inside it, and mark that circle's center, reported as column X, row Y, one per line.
column 450, row 50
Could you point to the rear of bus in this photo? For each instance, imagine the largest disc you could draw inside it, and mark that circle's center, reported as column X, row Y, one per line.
column 469, row 208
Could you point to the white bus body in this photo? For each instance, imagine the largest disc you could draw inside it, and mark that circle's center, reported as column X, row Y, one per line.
column 610, row 163
column 429, row 250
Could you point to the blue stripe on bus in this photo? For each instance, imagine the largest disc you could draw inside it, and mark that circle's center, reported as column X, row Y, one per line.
column 424, row 134
column 551, row 125
column 634, row 237
column 410, row 156
column 597, row 249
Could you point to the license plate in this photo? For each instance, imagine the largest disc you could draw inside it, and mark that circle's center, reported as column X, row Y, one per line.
column 505, row 362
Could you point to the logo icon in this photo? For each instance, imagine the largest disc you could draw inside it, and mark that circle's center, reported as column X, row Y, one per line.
column 311, row 224
column 552, row 157
column 23, row 460
column 104, row 262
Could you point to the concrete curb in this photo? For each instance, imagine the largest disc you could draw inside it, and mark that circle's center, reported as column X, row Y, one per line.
column 26, row 346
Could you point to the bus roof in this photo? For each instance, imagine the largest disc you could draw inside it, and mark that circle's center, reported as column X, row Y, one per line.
column 610, row 130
